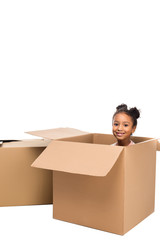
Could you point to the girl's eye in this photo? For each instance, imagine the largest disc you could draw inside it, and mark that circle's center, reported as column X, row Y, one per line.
column 115, row 124
column 126, row 125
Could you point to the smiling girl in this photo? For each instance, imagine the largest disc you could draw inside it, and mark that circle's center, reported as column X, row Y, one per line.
column 124, row 124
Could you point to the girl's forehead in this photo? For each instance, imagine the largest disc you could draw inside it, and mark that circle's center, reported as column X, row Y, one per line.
column 122, row 117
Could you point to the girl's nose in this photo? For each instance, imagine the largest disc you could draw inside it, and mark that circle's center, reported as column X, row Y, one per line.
column 120, row 127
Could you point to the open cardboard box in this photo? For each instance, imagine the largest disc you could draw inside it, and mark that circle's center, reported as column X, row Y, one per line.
column 95, row 184
column 20, row 184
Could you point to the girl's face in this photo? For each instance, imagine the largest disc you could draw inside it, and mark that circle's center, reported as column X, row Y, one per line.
column 123, row 128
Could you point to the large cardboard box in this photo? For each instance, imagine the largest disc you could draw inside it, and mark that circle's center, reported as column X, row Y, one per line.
column 20, row 184
column 98, row 185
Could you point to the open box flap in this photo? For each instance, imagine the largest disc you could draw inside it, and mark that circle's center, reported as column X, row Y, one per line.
column 57, row 133
column 78, row 158
column 158, row 144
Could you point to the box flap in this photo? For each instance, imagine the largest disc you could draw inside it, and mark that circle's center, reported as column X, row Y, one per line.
column 57, row 133
column 78, row 158
column 158, row 144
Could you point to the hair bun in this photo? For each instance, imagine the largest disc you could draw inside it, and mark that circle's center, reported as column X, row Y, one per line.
column 134, row 111
column 121, row 107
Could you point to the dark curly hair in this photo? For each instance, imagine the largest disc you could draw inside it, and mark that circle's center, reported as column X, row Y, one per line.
column 134, row 113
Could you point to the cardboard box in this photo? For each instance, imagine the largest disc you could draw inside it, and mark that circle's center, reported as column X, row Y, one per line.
column 20, row 184
column 98, row 185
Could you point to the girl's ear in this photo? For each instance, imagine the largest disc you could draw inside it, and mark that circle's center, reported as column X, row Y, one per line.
column 133, row 129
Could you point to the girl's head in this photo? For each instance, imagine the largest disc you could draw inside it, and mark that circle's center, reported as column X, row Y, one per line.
column 124, row 123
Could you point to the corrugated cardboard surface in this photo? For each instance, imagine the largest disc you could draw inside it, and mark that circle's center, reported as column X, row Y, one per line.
column 96, row 202
column 57, row 133
column 20, row 184
column 87, row 159
column 158, row 144
column 140, row 166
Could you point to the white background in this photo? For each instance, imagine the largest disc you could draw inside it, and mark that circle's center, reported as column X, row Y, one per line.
column 69, row 64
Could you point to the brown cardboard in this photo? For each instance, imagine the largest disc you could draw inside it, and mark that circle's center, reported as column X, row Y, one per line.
column 140, row 166
column 158, row 144
column 19, row 183
column 57, row 133
column 78, row 158
column 106, row 187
